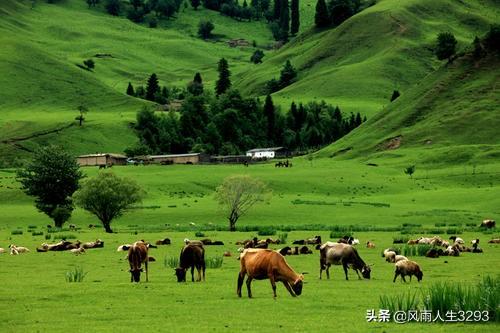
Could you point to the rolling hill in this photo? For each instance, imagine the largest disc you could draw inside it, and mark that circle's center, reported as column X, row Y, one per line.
column 356, row 65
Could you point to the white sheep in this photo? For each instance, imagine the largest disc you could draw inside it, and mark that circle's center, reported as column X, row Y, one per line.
column 77, row 251
column 15, row 250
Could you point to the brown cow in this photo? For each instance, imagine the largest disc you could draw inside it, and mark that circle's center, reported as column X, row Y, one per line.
column 342, row 254
column 488, row 224
column 138, row 254
column 263, row 264
column 192, row 255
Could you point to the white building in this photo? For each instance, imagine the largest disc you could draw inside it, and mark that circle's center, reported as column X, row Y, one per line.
column 267, row 152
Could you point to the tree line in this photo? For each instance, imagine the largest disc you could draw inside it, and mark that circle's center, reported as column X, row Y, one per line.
column 334, row 12
column 227, row 123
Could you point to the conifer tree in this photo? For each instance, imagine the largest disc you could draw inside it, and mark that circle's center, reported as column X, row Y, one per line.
column 270, row 115
column 321, row 18
column 295, row 18
column 152, row 87
column 223, row 83
column 130, row 90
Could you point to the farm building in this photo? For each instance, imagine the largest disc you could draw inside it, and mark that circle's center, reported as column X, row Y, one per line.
column 102, row 159
column 230, row 159
column 193, row 158
column 273, row 152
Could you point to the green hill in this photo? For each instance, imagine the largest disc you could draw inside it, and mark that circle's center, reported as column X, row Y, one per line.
column 385, row 47
column 356, row 65
column 451, row 116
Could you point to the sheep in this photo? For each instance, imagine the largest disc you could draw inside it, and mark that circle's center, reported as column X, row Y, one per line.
column 2, row 250
column 388, row 254
column 398, row 257
column 407, row 267
column 15, row 250
column 494, row 241
column 77, row 251
column 457, row 240
column 123, row 247
column 370, row 245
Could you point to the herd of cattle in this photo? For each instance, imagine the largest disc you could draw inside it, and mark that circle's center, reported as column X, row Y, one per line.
column 259, row 262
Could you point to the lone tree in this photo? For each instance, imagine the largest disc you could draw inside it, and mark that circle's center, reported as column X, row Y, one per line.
column 82, row 109
column 205, row 29
column 446, row 44
column 410, row 170
column 52, row 177
column 257, row 56
column 223, row 83
column 108, row 196
column 238, row 194
column 130, row 89
column 89, row 63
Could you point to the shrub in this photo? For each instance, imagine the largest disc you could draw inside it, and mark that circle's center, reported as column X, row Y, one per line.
column 440, row 224
column 283, row 236
column 16, row 232
column 48, row 236
column 214, row 262
column 89, row 63
column 171, row 262
column 266, row 231
column 199, row 234
column 405, row 302
column 37, row 233
column 76, row 275
column 32, row 227
column 453, row 231
column 67, row 236
column 257, row 56
column 205, row 29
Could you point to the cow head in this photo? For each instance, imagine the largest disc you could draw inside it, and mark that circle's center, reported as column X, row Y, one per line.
column 297, row 285
column 365, row 271
column 135, row 274
column 181, row 274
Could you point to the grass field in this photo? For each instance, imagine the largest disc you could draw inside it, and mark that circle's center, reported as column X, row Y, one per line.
column 344, row 196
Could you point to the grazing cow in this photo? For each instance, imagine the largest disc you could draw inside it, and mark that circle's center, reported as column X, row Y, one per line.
column 342, row 254
column 488, row 224
column 164, row 241
column 192, row 255
column 494, row 241
column 137, row 255
column 92, row 245
column 370, row 245
column 263, row 264
column 407, row 267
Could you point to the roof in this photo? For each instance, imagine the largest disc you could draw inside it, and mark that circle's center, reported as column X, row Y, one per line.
column 256, row 150
column 175, row 155
column 103, row 154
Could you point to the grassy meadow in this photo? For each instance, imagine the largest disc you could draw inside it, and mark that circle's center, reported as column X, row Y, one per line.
column 374, row 203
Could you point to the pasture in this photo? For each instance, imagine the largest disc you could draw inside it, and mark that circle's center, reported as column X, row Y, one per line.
column 312, row 198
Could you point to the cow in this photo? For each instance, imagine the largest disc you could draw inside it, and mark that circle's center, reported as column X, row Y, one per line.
column 192, row 255
column 342, row 254
column 494, row 241
column 314, row 240
column 263, row 264
column 488, row 224
column 370, row 245
column 137, row 255
column 164, row 241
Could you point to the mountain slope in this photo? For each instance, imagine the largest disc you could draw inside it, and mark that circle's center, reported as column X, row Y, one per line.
column 385, row 47
column 452, row 116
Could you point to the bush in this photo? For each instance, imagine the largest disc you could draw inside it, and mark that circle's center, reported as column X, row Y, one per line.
column 48, row 236
column 37, row 233
column 205, row 29
column 76, row 275
column 283, row 236
column 32, row 227
column 199, row 234
column 153, row 22
column 214, row 262
column 454, row 231
column 89, row 63
column 266, row 231
column 67, row 236
column 172, row 262
column 257, row 56
column 16, row 232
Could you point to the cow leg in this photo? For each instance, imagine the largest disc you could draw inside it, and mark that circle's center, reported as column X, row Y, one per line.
column 345, row 271
column 198, row 270
column 203, row 267
column 249, row 281
column 146, row 265
column 273, row 284
column 287, row 285
column 403, row 277
column 192, row 273
column 241, row 277
column 357, row 272
column 327, row 271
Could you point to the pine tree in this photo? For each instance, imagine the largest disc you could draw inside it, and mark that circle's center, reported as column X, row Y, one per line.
column 295, row 24
column 321, row 18
column 130, row 90
column 284, row 20
column 288, row 74
column 395, row 95
column 195, row 87
column 223, row 83
column 277, row 9
column 197, row 78
column 270, row 115
column 152, row 87
column 446, row 44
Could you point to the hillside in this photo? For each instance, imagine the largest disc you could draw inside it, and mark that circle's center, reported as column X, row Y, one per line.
column 451, row 116
column 385, row 47
column 355, row 66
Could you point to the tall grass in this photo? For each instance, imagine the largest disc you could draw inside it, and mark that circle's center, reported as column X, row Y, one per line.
column 171, row 262
column 266, row 231
column 283, row 237
column 75, row 275
column 214, row 262
column 419, row 250
column 448, row 296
